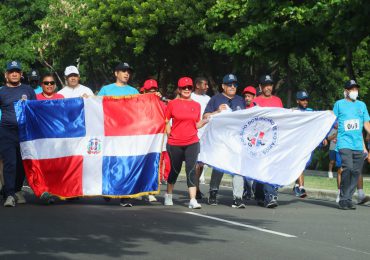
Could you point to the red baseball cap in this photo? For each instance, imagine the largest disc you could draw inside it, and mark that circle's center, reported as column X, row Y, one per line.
column 250, row 89
column 184, row 82
column 150, row 83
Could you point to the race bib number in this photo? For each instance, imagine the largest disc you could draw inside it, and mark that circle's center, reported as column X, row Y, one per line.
column 350, row 125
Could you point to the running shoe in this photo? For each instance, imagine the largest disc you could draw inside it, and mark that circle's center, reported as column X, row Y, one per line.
column 212, row 199
column 193, row 204
column 238, row 203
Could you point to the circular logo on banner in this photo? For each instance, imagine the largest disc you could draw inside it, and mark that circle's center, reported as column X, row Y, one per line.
column 259, row 136
column 94, row 146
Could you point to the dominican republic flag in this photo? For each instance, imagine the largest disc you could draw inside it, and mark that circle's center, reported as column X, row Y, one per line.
column 95, row 146
column 271, row 145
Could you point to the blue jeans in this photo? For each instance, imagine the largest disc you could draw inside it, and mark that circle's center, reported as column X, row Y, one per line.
column 264, row 191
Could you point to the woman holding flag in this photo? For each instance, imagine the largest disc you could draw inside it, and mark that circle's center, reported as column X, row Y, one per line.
column 183, row 141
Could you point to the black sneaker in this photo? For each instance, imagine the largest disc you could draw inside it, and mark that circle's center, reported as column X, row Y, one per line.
column 199, row 195
column 212, row 199
column 238, row 203
column 342, row 205
column 296, row 191
column 272, row 203
column 351, row 206
column 302, row 193
column 125, row 203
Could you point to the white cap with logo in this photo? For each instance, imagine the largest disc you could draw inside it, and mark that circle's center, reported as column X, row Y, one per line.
column 71, row 70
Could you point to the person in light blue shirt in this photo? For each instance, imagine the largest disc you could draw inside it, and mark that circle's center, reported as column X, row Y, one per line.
column 352, row 116
column 123, row 73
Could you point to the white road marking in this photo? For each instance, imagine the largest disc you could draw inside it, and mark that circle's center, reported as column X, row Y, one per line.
column 241, row 225
column 354, row 250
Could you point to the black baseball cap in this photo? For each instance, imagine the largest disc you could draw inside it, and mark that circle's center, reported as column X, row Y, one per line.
column 33, row 75
column 350, row 84
column 266, row 80
column 123, row 66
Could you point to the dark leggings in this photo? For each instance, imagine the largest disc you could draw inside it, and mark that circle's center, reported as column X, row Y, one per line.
column 178, row 154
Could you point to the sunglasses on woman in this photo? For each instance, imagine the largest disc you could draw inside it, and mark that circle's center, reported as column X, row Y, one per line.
column 187, row 88
column 48, row 82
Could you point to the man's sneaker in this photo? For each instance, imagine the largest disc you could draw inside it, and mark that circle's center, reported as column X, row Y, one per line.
column 10, row 202
column 342, row 205
column 238, row 203
column 199, row 195
column 302, row 193
column 296, row 191
column 168, row 199
column 362, row 199
column 272, row 203
column 212, row 199
column 330, row 175
column 351, row 206
column 125, row 203
column 152, row 198
column 20, row 199
column 193, row 204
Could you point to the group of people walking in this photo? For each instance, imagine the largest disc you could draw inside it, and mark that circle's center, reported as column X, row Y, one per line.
column 185, row 115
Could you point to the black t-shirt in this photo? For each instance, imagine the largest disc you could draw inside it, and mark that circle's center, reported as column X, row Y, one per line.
column 8, row 95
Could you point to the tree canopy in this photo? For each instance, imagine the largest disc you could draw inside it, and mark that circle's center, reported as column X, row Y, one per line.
column 312, row 45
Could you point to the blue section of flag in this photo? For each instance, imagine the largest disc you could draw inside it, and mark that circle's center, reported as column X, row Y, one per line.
column 130, row 174
column 59, row 118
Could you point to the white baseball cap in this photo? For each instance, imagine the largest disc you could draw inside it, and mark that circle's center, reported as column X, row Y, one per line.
column 71, row 70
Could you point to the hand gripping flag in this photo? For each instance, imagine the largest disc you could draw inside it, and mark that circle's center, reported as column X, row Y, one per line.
column 95, row 146
column 271, row 145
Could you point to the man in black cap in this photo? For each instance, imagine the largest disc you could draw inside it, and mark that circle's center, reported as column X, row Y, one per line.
column 14, row 174
column 224, row 102
column 122, row 72
column 266, row 194
column 34, row 79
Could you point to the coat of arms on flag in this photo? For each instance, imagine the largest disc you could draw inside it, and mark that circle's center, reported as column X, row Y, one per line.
column 96, row 146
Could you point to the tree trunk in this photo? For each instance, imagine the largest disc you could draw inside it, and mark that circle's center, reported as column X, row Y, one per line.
column 349, row 64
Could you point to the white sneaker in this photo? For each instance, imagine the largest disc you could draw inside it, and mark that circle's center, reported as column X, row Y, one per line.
column 193, row 204
column 20, row 198
column 151, row 198
column 10, row 202
column 361, row 199
column 338, row 197
column 168, row 200
column 330, row 175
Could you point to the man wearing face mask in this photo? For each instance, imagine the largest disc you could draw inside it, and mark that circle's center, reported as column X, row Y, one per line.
column 352, row 116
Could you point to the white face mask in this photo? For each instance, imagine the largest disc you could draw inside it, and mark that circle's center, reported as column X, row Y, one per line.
column 353, row 94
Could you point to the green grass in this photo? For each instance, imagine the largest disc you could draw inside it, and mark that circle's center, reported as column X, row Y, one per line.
column 313, row 182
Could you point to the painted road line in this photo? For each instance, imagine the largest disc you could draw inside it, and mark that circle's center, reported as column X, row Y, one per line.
column 241, row 225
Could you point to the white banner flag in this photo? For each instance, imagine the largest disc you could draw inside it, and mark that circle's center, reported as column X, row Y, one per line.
column 271, row 145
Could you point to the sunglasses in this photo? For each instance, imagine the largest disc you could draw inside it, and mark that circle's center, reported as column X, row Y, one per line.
column 48, row 82
column 187, row 88
column 235, row 85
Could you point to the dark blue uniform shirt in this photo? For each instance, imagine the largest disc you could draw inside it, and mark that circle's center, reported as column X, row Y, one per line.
column 236, row 103
column 8, row 95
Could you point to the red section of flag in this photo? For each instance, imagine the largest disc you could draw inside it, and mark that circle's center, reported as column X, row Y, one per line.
column 60, row 176
column 133, row 115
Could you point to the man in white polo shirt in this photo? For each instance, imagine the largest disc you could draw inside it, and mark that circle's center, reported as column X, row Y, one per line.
column 199, row 95
column 73, row 87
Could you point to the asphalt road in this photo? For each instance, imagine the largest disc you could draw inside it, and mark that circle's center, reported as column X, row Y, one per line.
column 94, row 229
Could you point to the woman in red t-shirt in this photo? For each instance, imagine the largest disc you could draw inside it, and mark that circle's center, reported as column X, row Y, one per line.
column 48, row 88
column 183, row 141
